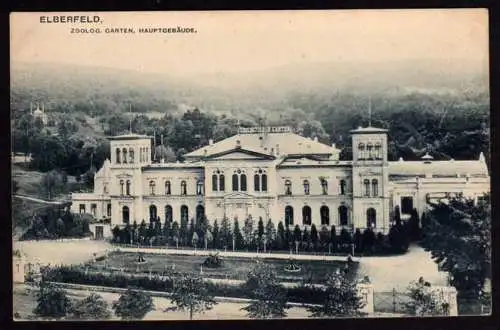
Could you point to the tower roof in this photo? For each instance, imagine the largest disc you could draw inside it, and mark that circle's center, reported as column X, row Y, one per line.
column 368, row 130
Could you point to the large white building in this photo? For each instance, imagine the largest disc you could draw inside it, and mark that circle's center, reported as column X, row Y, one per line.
column 272, row 173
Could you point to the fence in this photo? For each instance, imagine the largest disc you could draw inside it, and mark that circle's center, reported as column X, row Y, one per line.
column 393, row 301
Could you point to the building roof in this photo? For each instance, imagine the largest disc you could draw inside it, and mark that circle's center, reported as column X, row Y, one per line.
column 446, row 168
column 273, row 144
column 308, row 162
column 105, row 171
column 368, row 130
column 131, row 136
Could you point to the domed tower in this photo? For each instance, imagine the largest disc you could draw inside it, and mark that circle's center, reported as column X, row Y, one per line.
column 370, row 179
column 129, row 153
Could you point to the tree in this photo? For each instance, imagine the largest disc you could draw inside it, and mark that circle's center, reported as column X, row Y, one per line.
column 60, row 228
column 191, row 231
column 116, row 233
column 357, row 240
column 398, row 238
column 176, row 232
column 51, row 184
column 260, row 231
column 368, row 240
column 133, row 305
column 167, row 230
column 341, row 298
column 314, row 236
column 93, row 307
column 280, row 237
column 248, row 232
column 238, row 237
column 397, row 215
column 345, row 239
column 423, row 302
column 52, row 302
column 191, row 293
column 268, row 295
column 225, row 235
column 183, row 231
column 333, row 238
column 458, row 235
column 215, row 235
column 413, row 226
column 324, row 237
column 143, row 232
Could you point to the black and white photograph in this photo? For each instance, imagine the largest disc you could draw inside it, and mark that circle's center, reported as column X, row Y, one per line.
column 244, row 165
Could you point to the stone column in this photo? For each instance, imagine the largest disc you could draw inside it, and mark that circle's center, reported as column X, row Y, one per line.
column 365, row 291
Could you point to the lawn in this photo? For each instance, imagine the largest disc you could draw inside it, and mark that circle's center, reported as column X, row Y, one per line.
column 233, row 268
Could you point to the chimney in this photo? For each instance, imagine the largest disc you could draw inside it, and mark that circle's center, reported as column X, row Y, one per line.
column 210, row 141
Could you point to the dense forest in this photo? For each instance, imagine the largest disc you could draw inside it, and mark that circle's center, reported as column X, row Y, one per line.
column 85, row 105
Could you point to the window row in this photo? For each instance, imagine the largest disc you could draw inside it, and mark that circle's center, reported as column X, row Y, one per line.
column 324, row 211
column 126, row 156
column 168, row 188
column 93, row 209
column 307, row 187
column 239, row 182
column 370, row 189
column 370, row 151
column 168, row 213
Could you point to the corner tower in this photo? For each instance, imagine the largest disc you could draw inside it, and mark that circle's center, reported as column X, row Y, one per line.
column 370, row 177
column 129, row 153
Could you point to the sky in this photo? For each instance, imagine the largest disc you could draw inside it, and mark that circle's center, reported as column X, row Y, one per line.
column 236, row 42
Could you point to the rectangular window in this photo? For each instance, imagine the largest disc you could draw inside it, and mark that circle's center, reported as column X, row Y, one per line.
column 93, row 209
column 82, row 208
column 406, row 204
column 109, row 210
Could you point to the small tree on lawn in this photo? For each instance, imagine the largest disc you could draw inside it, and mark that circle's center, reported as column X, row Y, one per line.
column 52, row 302
column 260, row 232
column 423, row 301
column 135, row 232
column 225, row 234
column 368, row 240
column 93, row 307
column 341, row 298
column 288, row 243
column 268, row 295
column 183, row 231
column 133, row 305
column 215, row 235
column 176, row 235
column 345, row 240
column 167, row 231
column 358, row 243
column 314, row 237
column 191, row 294
column 270, row 234
column 334, row 241
column 238, row 237
column 191, row 231
column 116, row 231
column 279, row 242
column 324, row 237
column 398, row 238
column 143, row 232
column 248, row 232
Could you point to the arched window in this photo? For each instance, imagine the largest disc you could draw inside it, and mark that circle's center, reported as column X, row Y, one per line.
column 361, row 151
column 306, row 215
column 342, row 185
column 222, row 183
column 306, row 187
column 214, row 182
column 153, row 213
column 371, row 218
column 263, row 185
column 118, row 161
column 324, row 186
column 168, row 213
column 121, row 187
column 366, row 183
column 325, row 215
column 125, row 215
column 131, row 155
column 183, row 188
column 127, row 188
column 105, row 188
column 288, row 215
column 199, row 187
column 256, row 182
column 124, row 155
column 235, row 182
column 378, row 150
column 200, row 212
column 152, row 187
column 184, row 213
column 369, row 151
column 168, row 188
column 288, row 187
column 243, row 182
column 375, row 187
column 343, row 218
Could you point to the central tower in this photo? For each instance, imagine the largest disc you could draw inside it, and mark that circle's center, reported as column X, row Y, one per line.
column 370, row 179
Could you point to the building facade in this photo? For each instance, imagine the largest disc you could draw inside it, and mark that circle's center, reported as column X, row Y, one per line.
column 273, row 173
